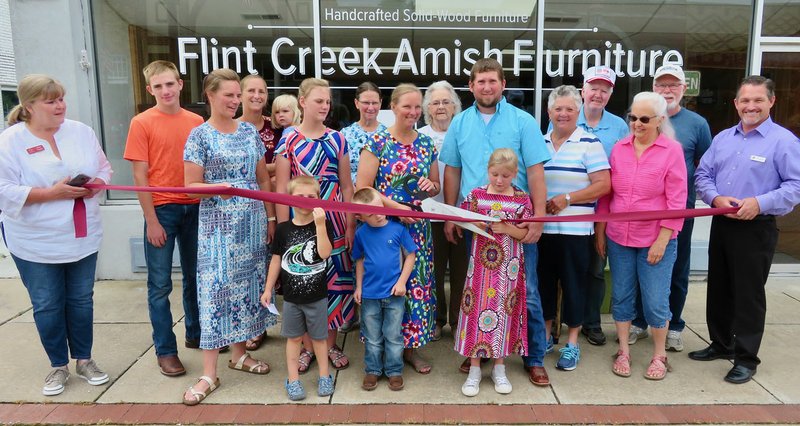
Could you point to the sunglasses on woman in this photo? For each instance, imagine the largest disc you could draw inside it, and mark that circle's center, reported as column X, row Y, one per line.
column 644, row 119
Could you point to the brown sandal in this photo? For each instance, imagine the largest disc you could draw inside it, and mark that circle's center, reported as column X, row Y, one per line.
column 256, row 342
column 419, row 364
column 260, row 367
column 658, row 368
column 199, row 396
column 305, row 360
column 338, row 358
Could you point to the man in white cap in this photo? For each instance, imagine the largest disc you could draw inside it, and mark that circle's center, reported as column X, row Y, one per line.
column 692, row 131
column 598, row 84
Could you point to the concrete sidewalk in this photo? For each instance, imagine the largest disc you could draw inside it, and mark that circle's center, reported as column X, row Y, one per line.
column 123, row 348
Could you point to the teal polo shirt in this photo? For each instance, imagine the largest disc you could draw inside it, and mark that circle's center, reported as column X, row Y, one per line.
column 609, row 130
column 470, row 142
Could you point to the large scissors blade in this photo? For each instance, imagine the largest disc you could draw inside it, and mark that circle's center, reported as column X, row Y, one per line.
column 432, row 206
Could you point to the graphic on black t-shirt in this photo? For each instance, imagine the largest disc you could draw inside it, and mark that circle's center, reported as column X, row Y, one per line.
column 302, row 259
column 304, row 274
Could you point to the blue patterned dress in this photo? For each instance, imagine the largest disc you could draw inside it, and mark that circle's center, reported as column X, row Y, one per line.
column 399, row 168
column 357, row 138
column 232, row 238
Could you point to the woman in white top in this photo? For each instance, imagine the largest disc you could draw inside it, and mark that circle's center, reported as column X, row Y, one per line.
column 439, row 106
column 51, row 224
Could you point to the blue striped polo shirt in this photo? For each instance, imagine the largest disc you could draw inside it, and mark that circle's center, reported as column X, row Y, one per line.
column 568, row 171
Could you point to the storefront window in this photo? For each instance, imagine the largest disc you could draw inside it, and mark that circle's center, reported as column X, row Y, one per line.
column 416, row 41
column 636, row 38
column 198, row 36
column 781, row 18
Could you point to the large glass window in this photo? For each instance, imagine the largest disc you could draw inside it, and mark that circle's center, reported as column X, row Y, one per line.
column 417, row 41
column 781, row 18
column 635, row 38
column 198, row 36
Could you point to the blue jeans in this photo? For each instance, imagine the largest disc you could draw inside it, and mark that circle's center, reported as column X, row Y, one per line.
column 180, row 223
column 679, row 287
column 382, row 328
column 536, row 333
column 630, row 274
column 63, row 309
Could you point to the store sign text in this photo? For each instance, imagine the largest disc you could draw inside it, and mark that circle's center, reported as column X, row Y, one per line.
column 456, row 60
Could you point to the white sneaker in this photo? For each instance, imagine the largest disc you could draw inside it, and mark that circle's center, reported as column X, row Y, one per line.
column 501, row 383
column 472, row 385
column 635, row 334
column 91, row 373
column 674, row 341
column 55, row 381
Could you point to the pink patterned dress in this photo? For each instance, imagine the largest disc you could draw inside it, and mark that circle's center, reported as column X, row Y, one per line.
column 493, row 318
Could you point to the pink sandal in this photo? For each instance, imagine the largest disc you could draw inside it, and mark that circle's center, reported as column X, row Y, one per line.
column 305, row 360
column 658, row 368
column 622, row 364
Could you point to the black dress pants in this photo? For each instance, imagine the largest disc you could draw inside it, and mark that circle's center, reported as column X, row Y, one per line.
column 739, row 258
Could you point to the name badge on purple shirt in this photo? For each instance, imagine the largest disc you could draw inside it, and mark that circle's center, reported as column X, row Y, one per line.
column 758, row 158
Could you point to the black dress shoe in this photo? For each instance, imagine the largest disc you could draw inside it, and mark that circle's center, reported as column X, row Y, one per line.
column 740, row 374
column 594, row 336
column 709, row 354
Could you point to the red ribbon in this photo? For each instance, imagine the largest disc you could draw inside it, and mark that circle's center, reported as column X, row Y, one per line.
column 79, row 218
column 310, row 203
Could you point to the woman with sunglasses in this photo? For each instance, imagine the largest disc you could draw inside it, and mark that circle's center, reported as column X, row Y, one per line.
column 647, row 173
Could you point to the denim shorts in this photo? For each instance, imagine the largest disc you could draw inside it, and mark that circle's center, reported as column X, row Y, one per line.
column 306, row 317
column 631, row 274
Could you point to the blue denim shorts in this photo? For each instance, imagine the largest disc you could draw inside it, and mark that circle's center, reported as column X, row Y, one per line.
column 631, row 274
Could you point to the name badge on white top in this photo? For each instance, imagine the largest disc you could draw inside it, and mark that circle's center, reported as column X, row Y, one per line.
column 758, row 158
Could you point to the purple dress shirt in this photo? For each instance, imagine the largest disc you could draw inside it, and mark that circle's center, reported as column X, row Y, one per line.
column 764, row 163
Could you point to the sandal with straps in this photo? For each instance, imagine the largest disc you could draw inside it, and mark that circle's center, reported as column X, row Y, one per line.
column 256, row 342
column 338, row 358
column 658, row 368
column 622, row 364
column 199, row 396
column 305, row 360
column 260, row 367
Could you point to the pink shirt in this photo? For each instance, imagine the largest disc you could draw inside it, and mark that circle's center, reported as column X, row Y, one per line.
column 655, row 181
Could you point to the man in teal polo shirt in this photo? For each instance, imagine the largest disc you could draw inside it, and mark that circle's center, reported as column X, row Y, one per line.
column 492, row 123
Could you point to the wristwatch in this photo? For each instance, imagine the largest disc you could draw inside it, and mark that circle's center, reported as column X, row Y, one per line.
column 568, row 198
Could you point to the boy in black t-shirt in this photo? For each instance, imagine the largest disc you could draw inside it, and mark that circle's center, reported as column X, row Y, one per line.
column 301, row 248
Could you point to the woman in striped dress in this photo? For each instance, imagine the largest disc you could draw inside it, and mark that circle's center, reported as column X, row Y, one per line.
column 313, row 149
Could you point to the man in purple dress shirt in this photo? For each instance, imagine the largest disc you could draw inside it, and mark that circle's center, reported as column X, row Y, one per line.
column 752, row 166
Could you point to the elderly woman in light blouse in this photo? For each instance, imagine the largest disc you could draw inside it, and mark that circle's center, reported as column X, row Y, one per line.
column 576, row 176
column 51, row 223
column 648, row 172
column 439, row 105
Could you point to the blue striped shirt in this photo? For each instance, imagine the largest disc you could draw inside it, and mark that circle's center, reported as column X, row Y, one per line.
column 568, row 171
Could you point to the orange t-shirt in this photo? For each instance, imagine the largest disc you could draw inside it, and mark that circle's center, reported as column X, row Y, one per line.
column 158, row 139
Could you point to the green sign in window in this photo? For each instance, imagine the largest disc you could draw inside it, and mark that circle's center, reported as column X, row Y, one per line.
column 692, row 83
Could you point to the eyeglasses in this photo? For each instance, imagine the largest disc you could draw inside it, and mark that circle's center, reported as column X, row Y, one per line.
column 644, row 119
column 370, row 104
column 670, row 86
column 444, row 103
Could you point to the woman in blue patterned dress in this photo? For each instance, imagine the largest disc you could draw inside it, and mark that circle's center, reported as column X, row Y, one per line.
column 358, row 134
column 401, row 164
column 232, row 235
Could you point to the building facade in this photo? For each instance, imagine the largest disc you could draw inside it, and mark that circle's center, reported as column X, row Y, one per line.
column 98, row 48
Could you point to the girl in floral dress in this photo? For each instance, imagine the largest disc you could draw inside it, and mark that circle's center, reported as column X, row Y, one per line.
column 492, row 322
column 313, row 149
column 401, row 164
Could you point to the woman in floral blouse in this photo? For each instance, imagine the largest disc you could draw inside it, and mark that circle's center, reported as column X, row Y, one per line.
column 401, row 164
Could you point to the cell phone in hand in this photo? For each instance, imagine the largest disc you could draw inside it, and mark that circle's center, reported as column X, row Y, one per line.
column 79, row 180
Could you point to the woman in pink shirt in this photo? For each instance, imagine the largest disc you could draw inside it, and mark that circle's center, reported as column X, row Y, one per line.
column 648, row 172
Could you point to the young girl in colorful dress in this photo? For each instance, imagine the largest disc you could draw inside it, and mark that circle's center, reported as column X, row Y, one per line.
column 492, row 322
column 313, row 149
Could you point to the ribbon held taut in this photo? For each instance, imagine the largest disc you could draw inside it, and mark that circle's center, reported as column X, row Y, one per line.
column 310, row 203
